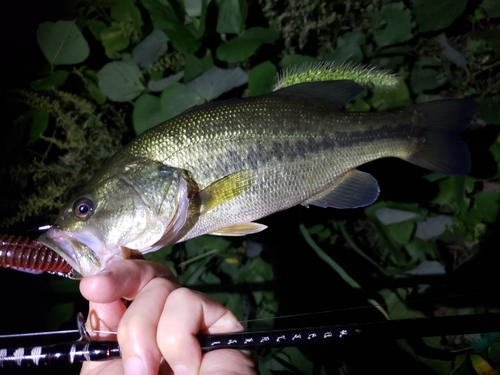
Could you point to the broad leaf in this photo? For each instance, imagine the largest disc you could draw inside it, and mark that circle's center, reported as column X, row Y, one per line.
column 48, row 83
column 62, row 43
column 296, row 61
column 348, row 47
column 216, row 81
column 150, row 49
column 114, row 38
column 165, row 18
column 121, row 81
column 436, row 14
column 392, row 24
column 150, row 110
column 231, row 17
column 245, row 45
column 39, row 123
column 147, row 113
column 162, row 84
column 195, row 66
column 262, row 78
column 390, row 215
column 125, row 10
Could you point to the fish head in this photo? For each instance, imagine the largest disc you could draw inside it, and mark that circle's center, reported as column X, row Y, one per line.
column 140, row 205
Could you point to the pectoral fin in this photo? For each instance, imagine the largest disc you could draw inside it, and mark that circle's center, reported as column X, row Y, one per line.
column 225, row 189
column 356, row 189
column 239, row 229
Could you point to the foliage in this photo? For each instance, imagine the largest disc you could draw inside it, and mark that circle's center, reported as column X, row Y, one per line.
column 153, row 59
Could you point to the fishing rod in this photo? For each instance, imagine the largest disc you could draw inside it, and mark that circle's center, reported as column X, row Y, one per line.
column 86, row 349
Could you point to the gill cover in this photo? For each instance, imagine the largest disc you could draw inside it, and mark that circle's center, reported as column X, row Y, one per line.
column 139, row 206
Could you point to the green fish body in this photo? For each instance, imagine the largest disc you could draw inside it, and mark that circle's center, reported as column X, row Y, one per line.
column 218, row 167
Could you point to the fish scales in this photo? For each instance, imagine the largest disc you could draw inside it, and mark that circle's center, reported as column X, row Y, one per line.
column 218, row 167
column 302, row 154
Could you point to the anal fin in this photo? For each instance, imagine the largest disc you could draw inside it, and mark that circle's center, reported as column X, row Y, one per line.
column 356, row 189
column 239, row 229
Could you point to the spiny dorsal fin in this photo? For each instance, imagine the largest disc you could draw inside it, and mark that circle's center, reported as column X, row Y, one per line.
column 239, row 229
column 356, row 189
column 337, row 93
column 225, row 189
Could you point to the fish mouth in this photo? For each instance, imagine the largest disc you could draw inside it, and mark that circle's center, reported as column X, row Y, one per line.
column 80, row 256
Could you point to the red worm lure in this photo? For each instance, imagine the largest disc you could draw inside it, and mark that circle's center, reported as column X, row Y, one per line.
column 26, row 254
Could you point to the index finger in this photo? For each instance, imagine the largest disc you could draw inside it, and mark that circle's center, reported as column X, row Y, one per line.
column 123, row 279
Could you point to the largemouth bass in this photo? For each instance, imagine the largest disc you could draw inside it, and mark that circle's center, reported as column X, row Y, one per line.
column 218, row 167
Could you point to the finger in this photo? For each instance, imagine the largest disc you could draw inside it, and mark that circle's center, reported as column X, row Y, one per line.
column 122, row 279
column 138, row 327
column 104, row 317
column 186, row 314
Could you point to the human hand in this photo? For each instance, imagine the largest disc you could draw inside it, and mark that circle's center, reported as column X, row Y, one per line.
column 162, row 321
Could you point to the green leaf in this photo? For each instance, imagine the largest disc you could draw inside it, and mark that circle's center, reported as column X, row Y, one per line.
column 486, row 204
column 392, row 25
column 348, row 48
column 150, row 49
column 231, row 17
column 245, row 45
column 96, row 93
column 176, row 98
column 452, row 193
column 121, row 81
column 433, row 15
column 125, row 10
column 96, row 27
column 149, row 110
column 215, row 81
column 398, row 97
column 402, row 232
column 195, row 66
column 427, row 267
column 427, row 74
column 165, row 18
column 39, row 123
column 114, row 38
column 262, row 78
column 147, row 113
column 62, row 43
column 388, row 215
column 295, row 61
column 433, row 226
column 395, row 307
column 491, row 8
column 48, row 83
column 193, row 7
column 162, row 84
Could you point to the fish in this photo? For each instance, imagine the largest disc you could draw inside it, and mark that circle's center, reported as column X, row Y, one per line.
column 218, row 167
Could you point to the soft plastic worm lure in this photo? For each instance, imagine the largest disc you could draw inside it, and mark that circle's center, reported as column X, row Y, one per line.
column 29, row 255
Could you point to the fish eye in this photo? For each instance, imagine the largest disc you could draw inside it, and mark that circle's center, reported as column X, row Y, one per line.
column 83, row 208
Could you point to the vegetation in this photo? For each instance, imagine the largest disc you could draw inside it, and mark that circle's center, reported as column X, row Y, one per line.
column 123, row 66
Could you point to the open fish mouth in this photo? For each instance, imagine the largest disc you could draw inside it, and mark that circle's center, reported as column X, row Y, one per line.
column 80, row 256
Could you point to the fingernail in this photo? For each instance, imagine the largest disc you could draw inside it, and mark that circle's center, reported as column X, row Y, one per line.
column 103, row 273
column 134, row 366
column 181, row 370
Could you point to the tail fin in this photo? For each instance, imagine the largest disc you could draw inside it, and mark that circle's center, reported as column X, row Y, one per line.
column 438, row 146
